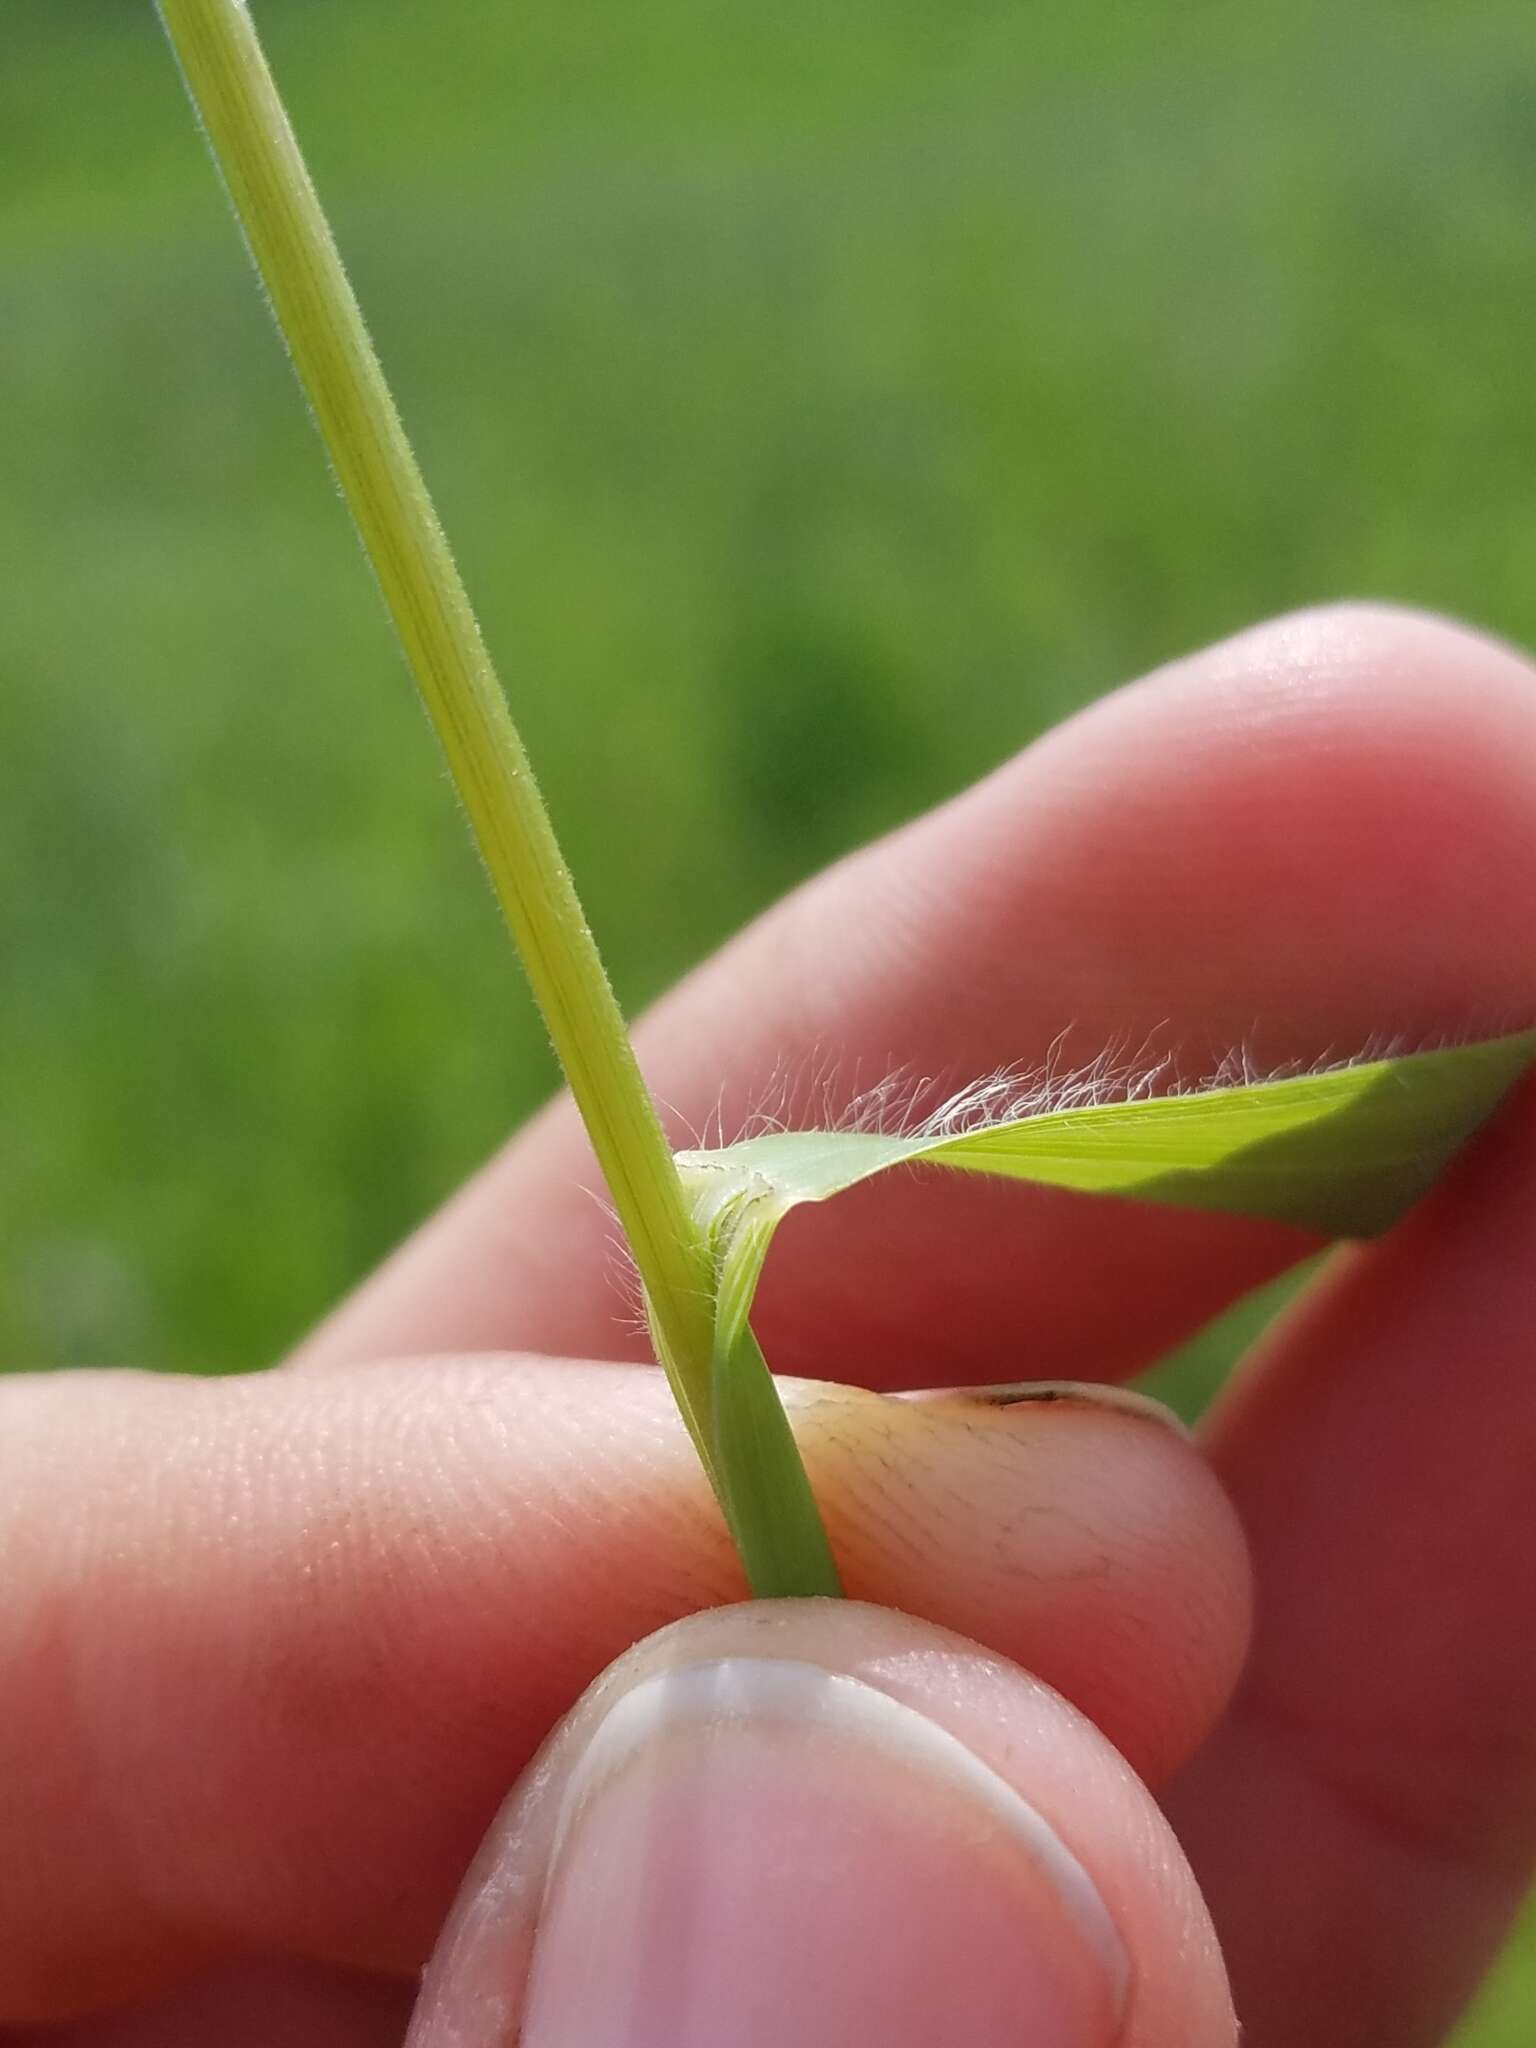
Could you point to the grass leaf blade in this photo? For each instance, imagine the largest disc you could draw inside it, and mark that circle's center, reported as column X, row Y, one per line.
column 1342, row 1153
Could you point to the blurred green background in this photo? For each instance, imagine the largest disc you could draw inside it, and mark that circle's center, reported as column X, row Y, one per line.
column 823, row 400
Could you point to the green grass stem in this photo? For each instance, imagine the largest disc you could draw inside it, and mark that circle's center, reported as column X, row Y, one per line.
column 318, row 315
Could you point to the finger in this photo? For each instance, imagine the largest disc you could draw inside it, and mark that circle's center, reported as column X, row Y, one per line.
column 251, row 2005
column 826, row 1825
column 1365, row 1825
column 1271, row 847
column 272, row 1649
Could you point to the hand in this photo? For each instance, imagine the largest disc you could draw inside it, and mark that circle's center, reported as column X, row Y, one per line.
column 272, row 1649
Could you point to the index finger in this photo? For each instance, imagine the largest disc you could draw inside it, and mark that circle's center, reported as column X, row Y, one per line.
column 1270, row 848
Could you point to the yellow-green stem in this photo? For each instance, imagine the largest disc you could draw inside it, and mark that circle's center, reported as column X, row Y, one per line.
column 318, row 315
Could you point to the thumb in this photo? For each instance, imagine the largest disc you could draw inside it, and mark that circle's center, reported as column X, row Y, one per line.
column 825, row 1824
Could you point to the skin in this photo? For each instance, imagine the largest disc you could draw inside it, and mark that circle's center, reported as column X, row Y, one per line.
column 273, row 1650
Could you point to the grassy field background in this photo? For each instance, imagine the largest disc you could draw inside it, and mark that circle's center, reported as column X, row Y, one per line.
column 823, row 400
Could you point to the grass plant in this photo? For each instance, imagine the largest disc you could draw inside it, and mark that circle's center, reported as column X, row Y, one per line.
column 1342, row 1152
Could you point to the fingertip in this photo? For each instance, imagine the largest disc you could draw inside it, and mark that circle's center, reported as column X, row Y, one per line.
column 825, row 1822
column 1306, row 838
column 976, row 1515
column 1396, row 671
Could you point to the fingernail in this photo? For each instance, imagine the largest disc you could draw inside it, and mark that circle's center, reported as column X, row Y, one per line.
column 1084, row 1393
column 760, row 1852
